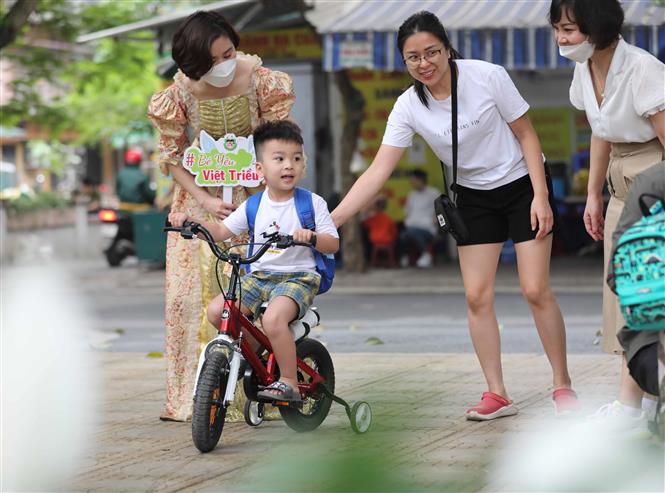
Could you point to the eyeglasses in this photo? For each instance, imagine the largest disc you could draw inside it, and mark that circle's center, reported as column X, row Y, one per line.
column 414, row 60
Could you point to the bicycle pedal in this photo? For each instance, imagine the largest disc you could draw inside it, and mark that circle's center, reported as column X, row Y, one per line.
column 294, row 405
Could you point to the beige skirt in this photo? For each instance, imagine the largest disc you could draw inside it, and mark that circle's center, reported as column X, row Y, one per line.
column 626, row 161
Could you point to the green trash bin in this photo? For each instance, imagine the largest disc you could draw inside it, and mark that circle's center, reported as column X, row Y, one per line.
column 149, row 239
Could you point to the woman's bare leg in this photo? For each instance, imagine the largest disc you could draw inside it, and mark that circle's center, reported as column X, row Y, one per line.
column 533, row 264
column 478, row 264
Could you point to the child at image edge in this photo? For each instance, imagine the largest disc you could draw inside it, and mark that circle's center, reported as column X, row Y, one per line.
column 286, row 278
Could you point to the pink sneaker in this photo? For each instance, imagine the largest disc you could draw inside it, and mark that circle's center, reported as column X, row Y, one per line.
column 491, row 406
column 565, row 402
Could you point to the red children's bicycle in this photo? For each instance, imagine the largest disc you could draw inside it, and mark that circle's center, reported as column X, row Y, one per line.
column 229, row 357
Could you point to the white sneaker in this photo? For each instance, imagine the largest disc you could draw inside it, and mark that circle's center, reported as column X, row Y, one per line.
column 649, row 408
column 404, row 261
column 424, row 261
column 618, row 419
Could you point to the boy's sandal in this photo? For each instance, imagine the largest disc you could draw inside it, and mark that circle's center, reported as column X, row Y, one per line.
column 285, row 393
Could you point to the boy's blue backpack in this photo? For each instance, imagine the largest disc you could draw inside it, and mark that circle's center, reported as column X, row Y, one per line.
column 639, row 269
column 325, row 263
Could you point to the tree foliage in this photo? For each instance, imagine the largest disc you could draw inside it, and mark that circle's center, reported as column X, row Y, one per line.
column 95, row 89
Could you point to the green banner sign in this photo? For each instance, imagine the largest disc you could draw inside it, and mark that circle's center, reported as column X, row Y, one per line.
column 226, row 162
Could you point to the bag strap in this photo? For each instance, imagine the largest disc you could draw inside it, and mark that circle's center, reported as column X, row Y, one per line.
column 646, row 210
column 453, row 118
column 251, row 208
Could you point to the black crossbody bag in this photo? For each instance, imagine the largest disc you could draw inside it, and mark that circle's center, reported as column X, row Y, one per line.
column 445, row 207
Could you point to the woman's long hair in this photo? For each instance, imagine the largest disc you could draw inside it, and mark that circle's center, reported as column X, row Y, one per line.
column 419, row 22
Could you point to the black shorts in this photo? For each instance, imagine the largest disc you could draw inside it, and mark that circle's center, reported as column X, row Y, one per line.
column 493, row 216
column 643, row 368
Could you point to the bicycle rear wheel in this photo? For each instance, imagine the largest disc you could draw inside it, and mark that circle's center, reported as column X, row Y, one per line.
column 209, row 411
column 315, row 408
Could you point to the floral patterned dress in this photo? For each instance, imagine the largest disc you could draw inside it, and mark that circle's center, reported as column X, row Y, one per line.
column 190, row 267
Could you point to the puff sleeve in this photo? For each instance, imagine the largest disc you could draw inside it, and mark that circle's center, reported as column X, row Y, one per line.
column 169, row 117
column 275, row 94
column 648, row 84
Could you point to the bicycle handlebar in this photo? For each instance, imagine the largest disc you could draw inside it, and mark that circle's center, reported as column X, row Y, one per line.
column 190, row 229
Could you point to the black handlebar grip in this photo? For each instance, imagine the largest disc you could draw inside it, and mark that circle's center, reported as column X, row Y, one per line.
column 168, row 226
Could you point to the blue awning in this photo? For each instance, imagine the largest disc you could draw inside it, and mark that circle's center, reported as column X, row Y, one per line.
column 512, row 33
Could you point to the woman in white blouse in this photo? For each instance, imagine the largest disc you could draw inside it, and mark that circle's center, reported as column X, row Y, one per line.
column 622, row 90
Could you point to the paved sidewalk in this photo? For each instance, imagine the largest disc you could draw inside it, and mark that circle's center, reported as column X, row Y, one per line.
column 418, row 441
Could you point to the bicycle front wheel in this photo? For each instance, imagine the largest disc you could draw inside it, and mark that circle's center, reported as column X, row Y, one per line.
column 209, row 411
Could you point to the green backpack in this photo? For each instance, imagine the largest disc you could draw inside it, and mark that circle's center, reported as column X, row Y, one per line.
column 639, row 269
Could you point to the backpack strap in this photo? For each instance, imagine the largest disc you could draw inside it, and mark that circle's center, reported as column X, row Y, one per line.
column 646, row 209
column 305, row 208
column 251, row 208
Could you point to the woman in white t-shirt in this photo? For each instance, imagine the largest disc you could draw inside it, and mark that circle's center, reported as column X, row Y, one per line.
column 502, row 193
column 622, row 90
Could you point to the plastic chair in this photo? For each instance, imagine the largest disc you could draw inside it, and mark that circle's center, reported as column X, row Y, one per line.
column 383, row 254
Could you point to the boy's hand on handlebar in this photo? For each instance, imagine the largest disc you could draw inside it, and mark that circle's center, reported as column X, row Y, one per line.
column 303, row 235
column 177, row 219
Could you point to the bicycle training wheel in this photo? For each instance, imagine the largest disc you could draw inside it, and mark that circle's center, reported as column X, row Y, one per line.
column 315, row 407
column 253, row 412
column 361, row 417
column 209, row 410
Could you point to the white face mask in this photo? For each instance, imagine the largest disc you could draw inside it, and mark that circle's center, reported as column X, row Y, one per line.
column 579, row 53
column 221, row 75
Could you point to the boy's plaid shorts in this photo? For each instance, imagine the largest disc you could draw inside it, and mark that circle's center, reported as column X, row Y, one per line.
column 261, row 286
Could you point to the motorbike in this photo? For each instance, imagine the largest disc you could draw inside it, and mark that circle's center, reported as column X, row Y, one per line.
column 118, row 229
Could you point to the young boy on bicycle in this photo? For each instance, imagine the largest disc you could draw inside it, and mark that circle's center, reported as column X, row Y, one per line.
column 285, row 278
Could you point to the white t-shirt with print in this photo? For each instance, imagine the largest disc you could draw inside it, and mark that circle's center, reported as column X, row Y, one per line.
column 634, row 91
column 489, row 155
column 285, row 217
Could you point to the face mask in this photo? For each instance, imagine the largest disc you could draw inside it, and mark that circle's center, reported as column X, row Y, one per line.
column 221, row 75
column 579, row 53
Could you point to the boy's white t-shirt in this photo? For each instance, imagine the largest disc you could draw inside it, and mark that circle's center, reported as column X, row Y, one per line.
column 634, row 91
column 285, row 217
column 489, row 155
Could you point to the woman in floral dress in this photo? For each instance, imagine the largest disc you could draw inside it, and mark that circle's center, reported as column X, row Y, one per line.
column 220, row 90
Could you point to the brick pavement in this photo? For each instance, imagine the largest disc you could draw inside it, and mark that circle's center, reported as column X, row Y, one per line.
column 418, row 441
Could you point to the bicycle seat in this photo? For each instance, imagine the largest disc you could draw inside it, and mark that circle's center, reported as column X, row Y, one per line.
column 301, row 327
